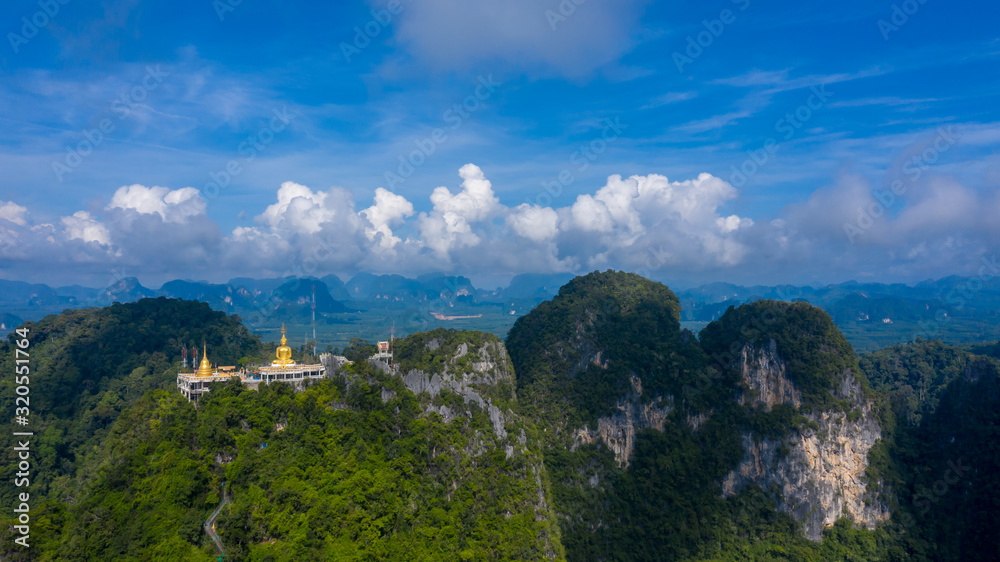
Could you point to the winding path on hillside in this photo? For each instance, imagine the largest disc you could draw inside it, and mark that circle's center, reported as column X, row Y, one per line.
column 210, row 522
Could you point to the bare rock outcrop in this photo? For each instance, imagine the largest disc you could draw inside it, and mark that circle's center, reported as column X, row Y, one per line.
column 488, row 369
column 765, row 379
column 617, row 431
column 818, row 470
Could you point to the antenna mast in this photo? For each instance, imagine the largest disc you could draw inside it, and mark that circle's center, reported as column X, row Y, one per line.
column 314, row 321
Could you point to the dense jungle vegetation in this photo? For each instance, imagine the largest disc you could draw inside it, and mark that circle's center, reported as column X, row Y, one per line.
column 359, row 467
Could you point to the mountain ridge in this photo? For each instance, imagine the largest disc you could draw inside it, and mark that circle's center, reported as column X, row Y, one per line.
column 600, row 430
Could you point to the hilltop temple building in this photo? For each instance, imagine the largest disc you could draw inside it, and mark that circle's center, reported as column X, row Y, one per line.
column 282, row 369
column 193, row 385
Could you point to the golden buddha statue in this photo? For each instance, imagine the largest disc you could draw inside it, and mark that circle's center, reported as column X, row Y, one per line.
column 284, row 353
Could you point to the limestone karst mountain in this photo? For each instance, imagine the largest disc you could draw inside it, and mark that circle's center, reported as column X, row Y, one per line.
column 600, row 430
column 655, row 437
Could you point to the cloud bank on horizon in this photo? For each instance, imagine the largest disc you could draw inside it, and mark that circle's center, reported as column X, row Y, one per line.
column 743, row 142
column 647, row 224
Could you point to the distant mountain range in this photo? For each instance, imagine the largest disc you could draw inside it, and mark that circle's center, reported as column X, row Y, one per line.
column 289, row 297
column 600, row 429
column 244, row 292
column 857, row 302
column 8, row 322
column 928, row 308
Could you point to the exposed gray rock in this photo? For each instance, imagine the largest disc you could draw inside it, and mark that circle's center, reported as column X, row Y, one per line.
column 765, row 380
column 419, row 381
column 224, row 458
column 381, row 365
column 617, row 431
column 444, row 411
column 485, row 372
column 696, row 420
column 496, row 417
column 822, row 476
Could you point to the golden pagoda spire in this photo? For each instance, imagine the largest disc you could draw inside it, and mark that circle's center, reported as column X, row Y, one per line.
column 205, row 369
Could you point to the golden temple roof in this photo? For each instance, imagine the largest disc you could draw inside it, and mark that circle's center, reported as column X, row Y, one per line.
column 205, row 369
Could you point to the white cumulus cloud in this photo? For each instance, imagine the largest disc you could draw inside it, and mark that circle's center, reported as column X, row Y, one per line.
column 81, row 226
column 449, row 225
column 173, row 205
column 644, row 223
column 13, row 212
column 389, row 209
column 590, row 214
column 535, row 223
column 299, row 209
column 476, row 200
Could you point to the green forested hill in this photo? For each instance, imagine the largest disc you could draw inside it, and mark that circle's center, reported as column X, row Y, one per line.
column 935, row 403
column 605, row 362
column 606, row 435
column 632, row 322
column 804, row 335
column 356, row 467
column 89, row 365
column 327, row 474
column 941, row 451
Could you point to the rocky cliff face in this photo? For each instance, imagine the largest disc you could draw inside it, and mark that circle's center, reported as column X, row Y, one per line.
column 617, row 431
column 819, row 470
column 462, row 377
column 488, row 369
column 764, row 377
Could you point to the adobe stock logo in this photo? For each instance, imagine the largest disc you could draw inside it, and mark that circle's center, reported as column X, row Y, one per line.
column 249, row 148
column 900, row 16
column 697, row 43
column 363, row 35
column 222, row 7
column 566, row 9
column 456, row 116
column 123, row 106
column 923, row 499
column 788, row 126
column 38, row 20
column 914, row 167
column 581, row 159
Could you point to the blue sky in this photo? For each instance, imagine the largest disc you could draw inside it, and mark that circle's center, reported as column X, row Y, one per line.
column 744, row 141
